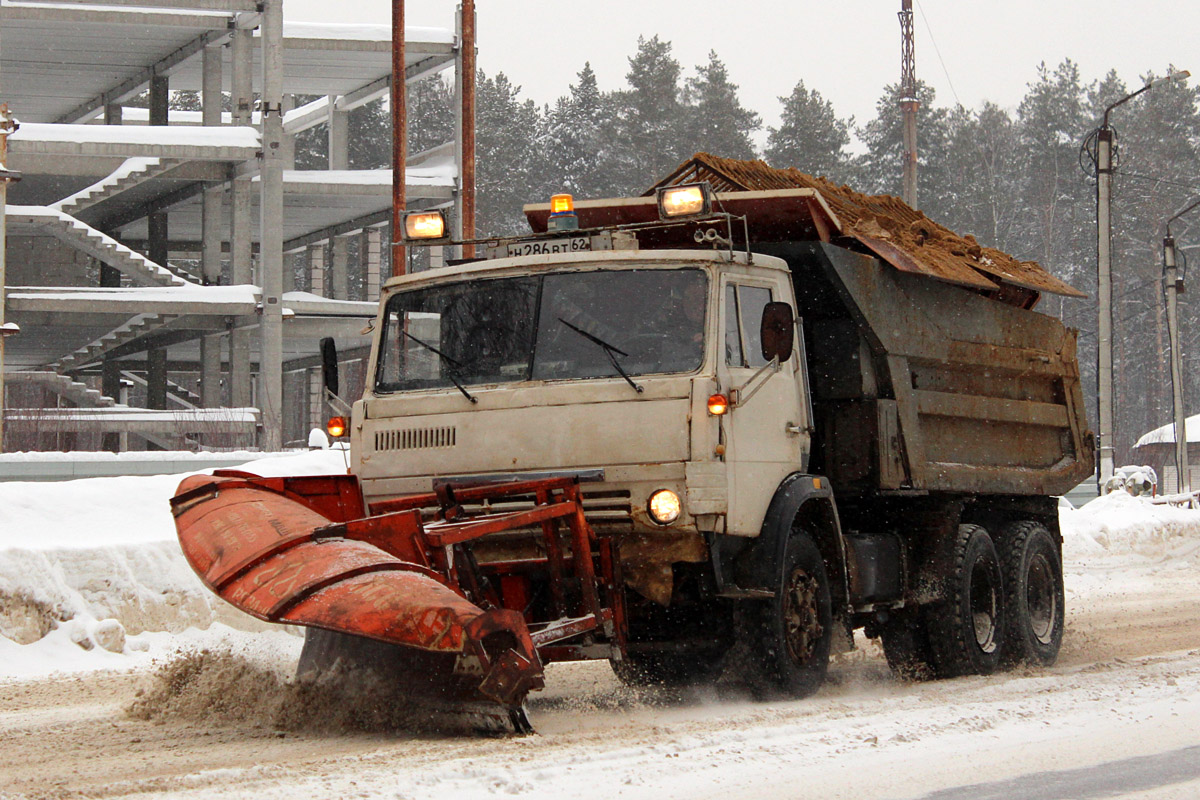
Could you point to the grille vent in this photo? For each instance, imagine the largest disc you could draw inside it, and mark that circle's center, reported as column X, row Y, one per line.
column 416, row 439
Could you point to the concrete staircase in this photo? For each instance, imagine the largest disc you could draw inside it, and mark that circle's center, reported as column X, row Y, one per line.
column 96, row 350
column 134, row 172
column 65, row 387
column 83, row 237
column 181, row 396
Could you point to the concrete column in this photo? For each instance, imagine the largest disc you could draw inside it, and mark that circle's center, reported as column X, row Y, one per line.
column 241, row 245
column 316, row 268
column 110, row 277
column 339, row 257
column 316, row 399
column 211, row 235
column 371, row 250
column 158, row 246
column 271, row 237
column 289, row 140
column 339, row 136
column 156, row 378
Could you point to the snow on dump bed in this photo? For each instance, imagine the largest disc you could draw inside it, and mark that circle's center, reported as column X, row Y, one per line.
column 90, row 568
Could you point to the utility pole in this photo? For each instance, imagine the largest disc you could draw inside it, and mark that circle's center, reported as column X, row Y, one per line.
column 7, row 126
column 908, row 101
column 1173, row 286
column 399, row 101
column 1105, row 137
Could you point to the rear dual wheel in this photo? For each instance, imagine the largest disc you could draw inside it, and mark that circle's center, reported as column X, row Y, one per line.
column 1034, row 599
column 1002, row 604
column 967, row 629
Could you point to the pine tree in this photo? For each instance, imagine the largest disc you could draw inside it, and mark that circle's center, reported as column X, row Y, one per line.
column 717, row 122
column 881, row 168
column 507, row 153
column 573, row 141
column 810, row 137
column 646, row 123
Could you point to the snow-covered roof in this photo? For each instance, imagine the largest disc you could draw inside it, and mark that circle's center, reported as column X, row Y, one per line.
column 190, row 142
column 1166, row 434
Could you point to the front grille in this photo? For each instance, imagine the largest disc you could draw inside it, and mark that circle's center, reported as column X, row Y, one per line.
column 416, row 439
column 608, row 511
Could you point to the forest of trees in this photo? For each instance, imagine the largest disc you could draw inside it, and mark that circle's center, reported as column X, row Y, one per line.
column 1018, row 179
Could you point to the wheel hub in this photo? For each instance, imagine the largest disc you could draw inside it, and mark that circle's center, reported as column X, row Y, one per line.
column 1041, row 599
column 801, row 616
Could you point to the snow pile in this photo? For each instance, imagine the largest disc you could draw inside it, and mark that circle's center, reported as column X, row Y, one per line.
column 1120, row 528
column 88, row 566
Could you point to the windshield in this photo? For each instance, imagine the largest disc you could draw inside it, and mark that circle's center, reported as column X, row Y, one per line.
column 551, row 327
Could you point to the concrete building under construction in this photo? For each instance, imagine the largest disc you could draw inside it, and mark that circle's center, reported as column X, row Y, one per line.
column 168, row 275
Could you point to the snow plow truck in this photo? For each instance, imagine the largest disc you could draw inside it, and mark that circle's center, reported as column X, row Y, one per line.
column 710, row 430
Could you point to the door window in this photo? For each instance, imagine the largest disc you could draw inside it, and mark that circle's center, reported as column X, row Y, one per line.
column 743, row 323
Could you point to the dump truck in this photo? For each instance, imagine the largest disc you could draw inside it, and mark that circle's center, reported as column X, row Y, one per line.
column 708, row 431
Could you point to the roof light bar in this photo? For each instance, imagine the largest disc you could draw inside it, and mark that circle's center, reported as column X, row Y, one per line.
column 686, row 200
column 425, row 225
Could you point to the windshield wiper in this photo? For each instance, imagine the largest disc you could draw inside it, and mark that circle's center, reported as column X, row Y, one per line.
column 448, row 359
column 608, row 351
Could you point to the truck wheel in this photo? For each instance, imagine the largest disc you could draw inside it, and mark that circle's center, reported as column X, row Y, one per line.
column 905, row 640
column 1033, row 584
column 966, row 630
column 788, row 637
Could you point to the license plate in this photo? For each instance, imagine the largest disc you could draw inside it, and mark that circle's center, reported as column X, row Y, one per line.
column 576, row 244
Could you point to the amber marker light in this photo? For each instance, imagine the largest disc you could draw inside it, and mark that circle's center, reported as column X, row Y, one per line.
column 425, row 225
column 718, row 404
column 562, row 204
column 336, row 427
column 562, row 214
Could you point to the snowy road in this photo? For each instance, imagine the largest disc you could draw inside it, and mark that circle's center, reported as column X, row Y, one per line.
column 1120, row 712
column 1118, row 716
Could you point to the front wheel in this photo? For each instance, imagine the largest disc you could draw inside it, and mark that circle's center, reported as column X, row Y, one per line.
column 1034, row 593
column 788, row 637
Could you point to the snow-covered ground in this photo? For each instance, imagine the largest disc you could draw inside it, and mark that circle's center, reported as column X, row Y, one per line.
column 95, row 596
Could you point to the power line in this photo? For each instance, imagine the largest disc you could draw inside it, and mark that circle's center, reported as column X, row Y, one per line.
column 938, row 51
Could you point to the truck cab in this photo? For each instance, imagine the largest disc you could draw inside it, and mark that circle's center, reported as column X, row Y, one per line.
column 642, row 371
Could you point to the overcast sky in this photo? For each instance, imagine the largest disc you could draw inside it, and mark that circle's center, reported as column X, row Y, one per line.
column 845, row 49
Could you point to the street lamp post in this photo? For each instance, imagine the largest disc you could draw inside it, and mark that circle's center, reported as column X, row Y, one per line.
column 1104, row 170
column 1173, row 286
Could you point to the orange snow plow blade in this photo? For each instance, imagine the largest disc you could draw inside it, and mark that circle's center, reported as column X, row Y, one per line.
column 304, row 551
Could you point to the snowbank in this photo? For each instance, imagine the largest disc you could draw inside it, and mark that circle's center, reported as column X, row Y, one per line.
column 1119, row 528
column 89, row 566
column 92, row 577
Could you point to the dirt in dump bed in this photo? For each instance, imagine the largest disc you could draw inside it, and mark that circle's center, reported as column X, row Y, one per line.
column 941, row 251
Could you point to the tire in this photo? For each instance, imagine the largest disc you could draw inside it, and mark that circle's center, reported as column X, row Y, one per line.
column 905, row 640
column 788, row 637
column 1034, row 595
column 967, row 628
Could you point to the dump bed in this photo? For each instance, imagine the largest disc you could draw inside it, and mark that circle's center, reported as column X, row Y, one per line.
column 920, row 384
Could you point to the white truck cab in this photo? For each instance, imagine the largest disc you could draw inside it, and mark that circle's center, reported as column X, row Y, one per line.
column 641, row 371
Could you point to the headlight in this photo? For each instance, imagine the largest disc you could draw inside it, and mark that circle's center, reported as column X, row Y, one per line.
column 664, row 507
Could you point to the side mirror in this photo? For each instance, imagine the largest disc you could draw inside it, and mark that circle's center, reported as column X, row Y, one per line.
column 778, row 332
column 329, row 365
